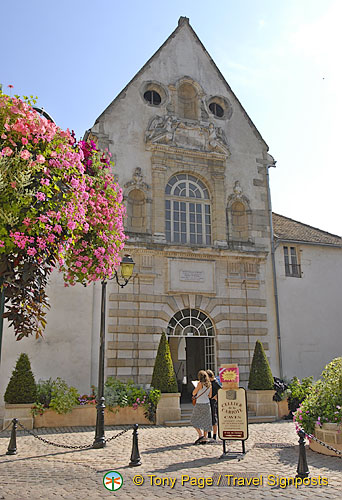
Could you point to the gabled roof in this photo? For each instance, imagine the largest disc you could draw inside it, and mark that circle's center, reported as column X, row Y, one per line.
column 286, row 229
column 184, row 21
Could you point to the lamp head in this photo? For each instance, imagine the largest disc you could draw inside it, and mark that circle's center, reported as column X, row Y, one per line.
column 127, row 266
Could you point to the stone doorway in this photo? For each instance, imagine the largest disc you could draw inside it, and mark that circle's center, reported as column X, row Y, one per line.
column 192, row 346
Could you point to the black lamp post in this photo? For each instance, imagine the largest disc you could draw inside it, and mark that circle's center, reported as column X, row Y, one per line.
column 126, row 270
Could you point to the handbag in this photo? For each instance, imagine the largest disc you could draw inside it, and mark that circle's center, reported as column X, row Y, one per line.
column 194, row 398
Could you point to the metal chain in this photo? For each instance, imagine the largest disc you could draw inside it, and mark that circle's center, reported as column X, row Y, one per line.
column 5, row 429
column 116, row 436
column 69, row 447
column 310, row 436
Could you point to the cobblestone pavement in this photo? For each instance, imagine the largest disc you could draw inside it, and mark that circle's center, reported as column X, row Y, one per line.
column 41, row 471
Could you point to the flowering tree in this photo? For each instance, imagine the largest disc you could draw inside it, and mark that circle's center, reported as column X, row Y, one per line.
column 59, row 206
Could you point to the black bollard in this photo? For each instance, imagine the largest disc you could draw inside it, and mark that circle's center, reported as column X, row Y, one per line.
column 302, row 469
column 135, row 456
column 12, row 447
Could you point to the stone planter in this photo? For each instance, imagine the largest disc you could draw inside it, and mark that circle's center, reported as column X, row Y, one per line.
column 261, row 403
column 283, row 409
column 86, row 416
column 20, row 411
column 330, row 434
column 168, row 408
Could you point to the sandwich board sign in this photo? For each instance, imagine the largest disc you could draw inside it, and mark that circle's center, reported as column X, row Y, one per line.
column 232, row 408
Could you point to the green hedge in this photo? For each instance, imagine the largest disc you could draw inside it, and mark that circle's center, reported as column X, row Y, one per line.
column 164, row 377
column 260, row 376
column 22, row 386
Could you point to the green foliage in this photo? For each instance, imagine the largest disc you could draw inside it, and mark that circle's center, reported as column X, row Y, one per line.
column 118, row 393
column 55, row 394
column 323, row 402
column 298, row 391
column 21, row 387
column 44, row 392
column 260, row 376
column 63, row 397
column 164, row 377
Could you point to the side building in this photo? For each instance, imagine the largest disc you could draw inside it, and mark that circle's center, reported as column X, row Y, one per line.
column 309, row 282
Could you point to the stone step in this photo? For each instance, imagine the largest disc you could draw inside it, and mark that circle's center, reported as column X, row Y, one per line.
column 261, row 419
column 177, row 423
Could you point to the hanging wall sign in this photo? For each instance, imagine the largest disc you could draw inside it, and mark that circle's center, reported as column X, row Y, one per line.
column 229, row 376
column 232, row 414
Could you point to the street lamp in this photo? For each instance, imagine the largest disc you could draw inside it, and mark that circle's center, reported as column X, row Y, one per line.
column 126, row 271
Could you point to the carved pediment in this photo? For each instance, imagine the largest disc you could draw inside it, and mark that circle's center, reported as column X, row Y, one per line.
column 171, row 131
column 137, row 181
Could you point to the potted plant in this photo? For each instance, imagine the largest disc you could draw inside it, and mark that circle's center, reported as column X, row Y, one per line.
column 320, row 413
column 261, row 385
column 21, row 393
column 59, row 405
column 164, row 379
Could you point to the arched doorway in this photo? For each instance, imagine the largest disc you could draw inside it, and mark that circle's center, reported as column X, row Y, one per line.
column 191, row 337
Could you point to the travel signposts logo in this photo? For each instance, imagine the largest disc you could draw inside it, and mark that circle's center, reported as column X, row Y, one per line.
column 112, row 480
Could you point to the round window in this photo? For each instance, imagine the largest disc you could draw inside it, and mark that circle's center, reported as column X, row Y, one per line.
column 152, row 97
column 216, row 109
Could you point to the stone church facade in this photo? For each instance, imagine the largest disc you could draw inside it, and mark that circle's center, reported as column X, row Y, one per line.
column 212, row 269
column 193, row 170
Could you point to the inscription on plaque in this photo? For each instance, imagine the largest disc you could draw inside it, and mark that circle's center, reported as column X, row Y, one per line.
column 197, row 276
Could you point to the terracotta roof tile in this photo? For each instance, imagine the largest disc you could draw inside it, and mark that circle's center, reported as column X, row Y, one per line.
column 292, row 230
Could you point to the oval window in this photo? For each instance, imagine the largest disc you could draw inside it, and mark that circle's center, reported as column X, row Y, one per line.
column 216, row 109
column 152, row 97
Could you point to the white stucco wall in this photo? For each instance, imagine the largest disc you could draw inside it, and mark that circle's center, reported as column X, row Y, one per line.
column 310, row 310
column 66, row 349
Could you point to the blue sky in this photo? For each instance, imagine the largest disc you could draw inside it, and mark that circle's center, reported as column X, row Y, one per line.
column 281, row 59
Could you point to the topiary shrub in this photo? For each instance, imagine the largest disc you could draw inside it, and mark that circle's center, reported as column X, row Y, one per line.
column 164, row 377
column 260, row 376
column 22, row 386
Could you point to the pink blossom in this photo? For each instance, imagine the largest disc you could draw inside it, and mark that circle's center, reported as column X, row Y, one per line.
column 2, row 244
column 40, row 196
column 25, row 154
column 40, row 159
column 45, row 182
column 31, row 251
column 13, row 184
column 7, row 151
column 24, row 141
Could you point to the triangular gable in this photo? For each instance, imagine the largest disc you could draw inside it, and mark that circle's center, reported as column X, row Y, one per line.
column 184, row 22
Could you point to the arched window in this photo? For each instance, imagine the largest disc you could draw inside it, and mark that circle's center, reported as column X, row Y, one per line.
column 187, row 211
column 190, row 323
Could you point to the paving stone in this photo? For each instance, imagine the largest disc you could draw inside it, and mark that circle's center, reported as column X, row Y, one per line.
column 41, row 470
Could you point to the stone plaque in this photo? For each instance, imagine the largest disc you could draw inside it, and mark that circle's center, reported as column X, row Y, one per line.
column 191, row 276
column 196, row 276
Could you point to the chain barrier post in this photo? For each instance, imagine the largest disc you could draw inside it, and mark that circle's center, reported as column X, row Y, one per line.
column 12, row 447
column 135, row 456
column 302, row 468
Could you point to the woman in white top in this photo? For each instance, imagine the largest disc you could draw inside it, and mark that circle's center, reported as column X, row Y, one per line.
column 201, row 415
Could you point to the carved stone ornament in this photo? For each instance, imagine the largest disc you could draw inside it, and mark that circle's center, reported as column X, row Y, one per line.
column 238, row 195
column 137, row 181
column 171, row 131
